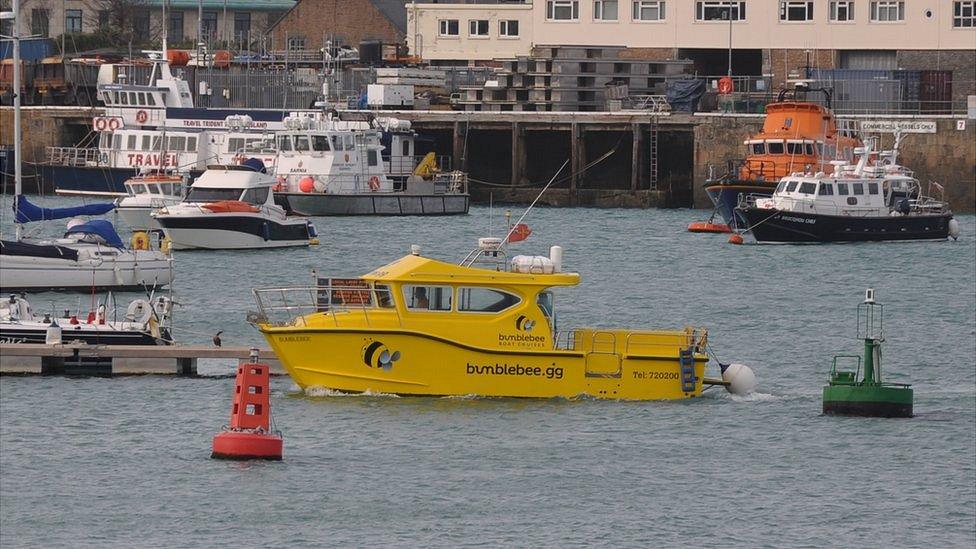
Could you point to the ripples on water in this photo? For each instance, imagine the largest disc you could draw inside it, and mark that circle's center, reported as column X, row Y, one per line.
column 125, row 462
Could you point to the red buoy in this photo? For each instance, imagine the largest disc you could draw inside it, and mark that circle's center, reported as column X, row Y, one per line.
column 736, row 239
column 250, row 435
column 708, row 227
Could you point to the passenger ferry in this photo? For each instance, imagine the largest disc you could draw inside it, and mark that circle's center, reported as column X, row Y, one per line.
column 486, row 326
column 797, row 135
column 872, row 200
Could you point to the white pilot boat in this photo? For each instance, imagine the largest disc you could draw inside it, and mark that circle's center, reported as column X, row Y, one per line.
column 869, row 201
column 145, row 194
column 144, row 322
column 232, row 207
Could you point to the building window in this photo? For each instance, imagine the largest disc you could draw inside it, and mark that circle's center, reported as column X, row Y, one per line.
column 448, row 27
column 174, row 27
column 208, row 29
column 648, row 10
column 796, row 11
column 140, row 23
column 72, row 20
column 605, row 10
column 242, row 26
column 842, row 11
column 888, row 11
column 720, row 11
column 478, row 27
column 508, row 27
column 562, row 10
column 296, row 43
column 964, row 14
column 40, row 22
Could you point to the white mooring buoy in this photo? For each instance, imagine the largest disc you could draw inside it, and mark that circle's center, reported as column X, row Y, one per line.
column 954, row 229
column 740, row 378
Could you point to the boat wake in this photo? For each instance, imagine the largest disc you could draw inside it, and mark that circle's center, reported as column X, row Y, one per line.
column 323, row 392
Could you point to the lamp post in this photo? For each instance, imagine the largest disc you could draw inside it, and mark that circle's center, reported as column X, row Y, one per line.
column 728, row 13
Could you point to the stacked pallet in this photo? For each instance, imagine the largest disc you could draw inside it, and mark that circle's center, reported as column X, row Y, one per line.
column 569, row 78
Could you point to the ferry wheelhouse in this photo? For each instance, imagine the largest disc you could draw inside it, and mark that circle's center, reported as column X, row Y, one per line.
column 869, row 201
column 797, row 135
column 487, row 327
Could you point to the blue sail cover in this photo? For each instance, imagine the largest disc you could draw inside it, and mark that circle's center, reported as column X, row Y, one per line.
column 98, row 227
column 27, row 212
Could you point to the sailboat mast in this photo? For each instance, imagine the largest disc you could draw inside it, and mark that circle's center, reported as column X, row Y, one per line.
column 18, row 183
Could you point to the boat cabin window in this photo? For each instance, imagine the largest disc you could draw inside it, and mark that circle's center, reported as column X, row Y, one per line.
column 826, row 189
column 384, row 297
column 808, row 188
column 858, row 188
column 235, row 144
column 545, row 303
column 775, row 147
column 123, row 98
column 820, row 148
column 142, row 98
column 794, row 148
column 131, row 143
column 320, row 143
column 336, row 143
column 151, row 99
column 301, row 143
column 808, row 148
column 757, row 148
column 145, row 143
column 842, row 189
column 191, row 143
column 485, row 300
column 284, row 143
column 427, row 298
column 204, row 194
column 177, row 143
column 116, row 141
column 791, row 186
column 781, row 186
column 256, row 196
column 372, row 158
column 872, row 188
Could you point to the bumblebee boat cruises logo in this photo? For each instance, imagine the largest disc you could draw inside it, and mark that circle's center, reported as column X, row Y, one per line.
column 377, row 355
column 523, row 336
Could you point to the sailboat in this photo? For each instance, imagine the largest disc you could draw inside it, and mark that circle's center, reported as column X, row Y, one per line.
column 91, row 255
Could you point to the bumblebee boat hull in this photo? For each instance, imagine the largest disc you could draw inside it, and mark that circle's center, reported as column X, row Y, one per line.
column 411, row 363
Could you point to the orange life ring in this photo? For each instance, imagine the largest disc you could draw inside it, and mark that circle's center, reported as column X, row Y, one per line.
column 142, row 116
column 725, row 85
column 374, row 183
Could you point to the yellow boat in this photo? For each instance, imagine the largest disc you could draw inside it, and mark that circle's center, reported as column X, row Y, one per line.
column 486, row 327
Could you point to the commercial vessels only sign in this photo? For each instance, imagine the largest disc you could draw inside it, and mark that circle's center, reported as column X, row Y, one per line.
column 903, row 126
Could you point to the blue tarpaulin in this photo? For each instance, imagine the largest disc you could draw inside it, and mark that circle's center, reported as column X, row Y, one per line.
column 27, row 212
column 683, row 94
column 31, row 49
column 98, row 227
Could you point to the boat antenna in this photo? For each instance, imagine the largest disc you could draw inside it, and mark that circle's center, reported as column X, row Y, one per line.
column 529, row 209
column 490, row 210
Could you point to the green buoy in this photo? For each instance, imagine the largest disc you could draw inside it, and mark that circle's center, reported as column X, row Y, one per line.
column 869, row 396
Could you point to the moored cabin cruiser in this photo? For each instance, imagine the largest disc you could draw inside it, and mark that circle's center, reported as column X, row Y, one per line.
column 856, row 203
column 419, row 326
column 232, row 207
column 144, row 322
column 147, row 193
column 796, row 133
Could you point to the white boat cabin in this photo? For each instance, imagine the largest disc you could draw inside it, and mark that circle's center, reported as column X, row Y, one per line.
column 232, row 183
column 856, row 196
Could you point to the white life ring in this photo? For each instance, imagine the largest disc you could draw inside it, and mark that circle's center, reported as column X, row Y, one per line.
column 139, row 311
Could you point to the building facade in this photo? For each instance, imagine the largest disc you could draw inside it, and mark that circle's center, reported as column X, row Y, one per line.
column 239, row 23
column 766, row 37
column 311, row 23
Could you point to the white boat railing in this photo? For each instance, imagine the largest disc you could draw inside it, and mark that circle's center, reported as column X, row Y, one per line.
column 291, row 306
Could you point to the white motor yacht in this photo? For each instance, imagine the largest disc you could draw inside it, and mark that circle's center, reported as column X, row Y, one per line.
column 145, row 194
column 232, row 207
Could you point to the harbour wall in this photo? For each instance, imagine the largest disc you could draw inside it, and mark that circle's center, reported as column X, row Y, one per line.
column 625, row 159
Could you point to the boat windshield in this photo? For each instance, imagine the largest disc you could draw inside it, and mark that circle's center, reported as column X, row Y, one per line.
column 204, row 194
